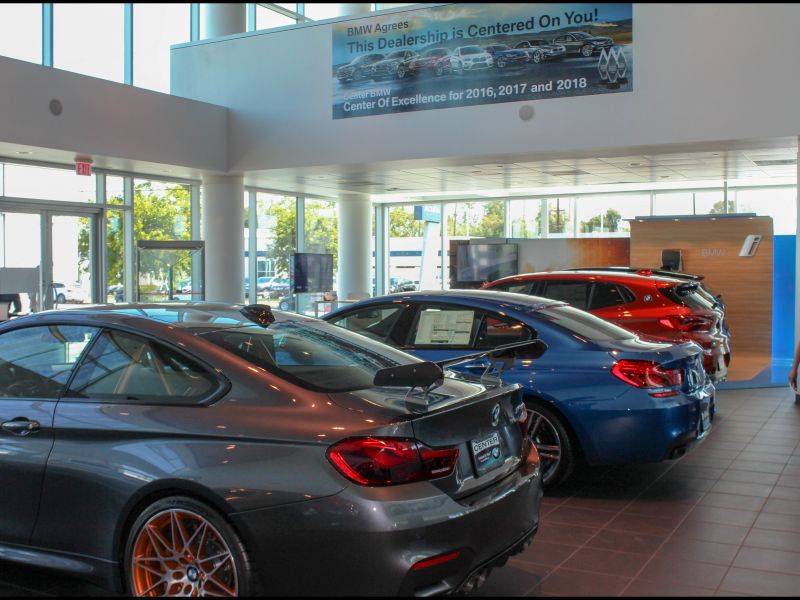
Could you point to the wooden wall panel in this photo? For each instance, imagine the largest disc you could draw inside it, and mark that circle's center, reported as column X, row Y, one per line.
column 710, row 247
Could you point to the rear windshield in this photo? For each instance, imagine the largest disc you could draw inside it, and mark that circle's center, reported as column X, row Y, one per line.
column 584, row 324
column 688, row 294
column 317, row 356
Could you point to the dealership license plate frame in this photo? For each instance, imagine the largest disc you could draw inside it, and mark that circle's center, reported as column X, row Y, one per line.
column 487, row 453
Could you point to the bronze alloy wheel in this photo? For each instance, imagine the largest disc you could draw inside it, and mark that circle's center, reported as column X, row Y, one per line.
column 178, row 552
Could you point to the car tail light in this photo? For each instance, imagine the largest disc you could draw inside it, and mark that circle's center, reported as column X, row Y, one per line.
column 649, row 375
column 687, row 323
column 436, row 560
column 390, row 461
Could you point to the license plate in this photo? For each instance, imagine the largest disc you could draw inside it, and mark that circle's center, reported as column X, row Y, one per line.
column 487, row 453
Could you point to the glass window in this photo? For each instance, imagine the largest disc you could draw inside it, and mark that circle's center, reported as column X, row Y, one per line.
column 317, row 11
column 35, row 362
column 452, row 327
column 322, row 237
column 115, row 255
column 315, row 355
column 405, row 250
column 126, row 368
column 21, row 31
column 155, row 28
column 519, row 287
column 374, row 321
column 673, row 203
column 44, row 183
column 606, row 294
column 496, row 332
column 266, row 18
column 572, row 292
column 561, row 216
column 89, row 39
column 525, row 218
column 584, row 324
column 778, row 203
column 115, row 190
column 607, row 214
column 162, row 210
column 276, row 241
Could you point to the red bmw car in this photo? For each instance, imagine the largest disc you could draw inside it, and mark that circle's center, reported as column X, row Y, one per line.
column 653, row 303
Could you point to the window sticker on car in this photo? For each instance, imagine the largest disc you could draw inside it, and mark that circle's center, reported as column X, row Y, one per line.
column 451, row 327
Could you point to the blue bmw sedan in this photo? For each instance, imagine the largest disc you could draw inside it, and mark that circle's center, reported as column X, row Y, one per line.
column 599, row 392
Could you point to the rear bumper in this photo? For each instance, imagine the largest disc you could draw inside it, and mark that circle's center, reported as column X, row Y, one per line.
column 658, row 429
column 364, row 541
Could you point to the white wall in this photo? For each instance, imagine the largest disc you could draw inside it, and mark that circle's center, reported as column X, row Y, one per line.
column 702, row 72
column 103, row 118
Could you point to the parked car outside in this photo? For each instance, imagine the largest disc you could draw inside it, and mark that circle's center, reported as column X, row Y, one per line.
column 73, row 293
column 652, row 305
column 473, row 58
column 436, row 61
column 359, row 68
column 394, row 66
column 207, row 449
column 580, row 43
column 599, row 393
column 277, row 287
column 539, row 50
column 400, row 284
column 504, row 56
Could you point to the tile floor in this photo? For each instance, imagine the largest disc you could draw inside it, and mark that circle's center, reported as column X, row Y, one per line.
column 724, row 520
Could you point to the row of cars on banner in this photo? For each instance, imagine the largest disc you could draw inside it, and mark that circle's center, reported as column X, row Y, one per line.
column 463, row 59
column 401, row 447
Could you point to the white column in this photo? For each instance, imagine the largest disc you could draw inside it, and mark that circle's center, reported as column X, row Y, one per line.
column 219, row 19
column 223, row 232
column 354, row 279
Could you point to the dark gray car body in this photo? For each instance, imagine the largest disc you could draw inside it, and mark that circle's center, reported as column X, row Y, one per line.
column 256, row 452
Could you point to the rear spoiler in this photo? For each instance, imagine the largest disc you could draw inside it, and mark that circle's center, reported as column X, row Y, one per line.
column 429, row 375
column 643, row 271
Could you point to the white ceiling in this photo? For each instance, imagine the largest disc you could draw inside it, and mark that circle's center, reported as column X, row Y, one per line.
column 763, row 161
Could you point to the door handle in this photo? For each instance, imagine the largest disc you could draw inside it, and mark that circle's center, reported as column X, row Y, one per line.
column 21, row 426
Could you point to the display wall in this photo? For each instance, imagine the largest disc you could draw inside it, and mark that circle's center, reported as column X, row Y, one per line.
column 710, row 246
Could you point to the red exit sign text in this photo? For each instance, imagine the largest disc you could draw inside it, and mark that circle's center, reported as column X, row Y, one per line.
column 83, row 168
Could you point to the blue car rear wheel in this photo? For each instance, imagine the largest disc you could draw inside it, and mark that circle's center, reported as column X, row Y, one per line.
column 556, row 449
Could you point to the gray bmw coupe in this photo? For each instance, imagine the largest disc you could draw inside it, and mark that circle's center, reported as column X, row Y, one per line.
column 211, row 449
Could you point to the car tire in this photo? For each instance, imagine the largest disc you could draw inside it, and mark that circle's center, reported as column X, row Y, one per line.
column 537, row 57
column 358, row 75
column 501, row 63
column 439, row 70
column 587, row 50
column 401, row 72
column 61, row 299
column 230, row 573
column 557, row 450
column 284, row 305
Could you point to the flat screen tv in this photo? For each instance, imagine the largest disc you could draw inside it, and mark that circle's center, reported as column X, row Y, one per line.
column 310, row 272
column 485, row 262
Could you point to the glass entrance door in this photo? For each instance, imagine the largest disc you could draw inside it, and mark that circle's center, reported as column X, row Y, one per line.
column 71, row 247
column 20, row 263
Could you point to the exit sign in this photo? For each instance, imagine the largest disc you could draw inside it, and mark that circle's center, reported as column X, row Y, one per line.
column 83, row 168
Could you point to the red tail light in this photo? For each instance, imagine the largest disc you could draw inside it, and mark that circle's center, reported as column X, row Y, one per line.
column 390, row 461
column 687, row 323
column 649, row 375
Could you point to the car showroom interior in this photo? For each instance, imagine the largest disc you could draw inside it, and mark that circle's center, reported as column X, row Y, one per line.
column 408, row 299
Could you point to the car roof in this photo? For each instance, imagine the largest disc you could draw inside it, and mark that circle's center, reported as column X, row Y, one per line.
column 477, row 298
column 616, row 276
column 185, row 315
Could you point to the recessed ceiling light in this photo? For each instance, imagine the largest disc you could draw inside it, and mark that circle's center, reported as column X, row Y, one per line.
column 634, row 164
column 23, row 152
column 664, row 176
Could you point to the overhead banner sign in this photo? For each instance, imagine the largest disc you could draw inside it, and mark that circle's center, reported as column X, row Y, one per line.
column 468, row 54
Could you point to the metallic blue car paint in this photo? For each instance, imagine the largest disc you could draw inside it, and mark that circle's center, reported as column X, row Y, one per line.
column 614, row 422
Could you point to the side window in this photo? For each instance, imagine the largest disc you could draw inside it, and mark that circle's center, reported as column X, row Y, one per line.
column 519, row 287
column 122, row 367
column 496, row 332
column 445, row 327
column 572, row 292
column 35, row 362
column 606, row 294
column 375, row 322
